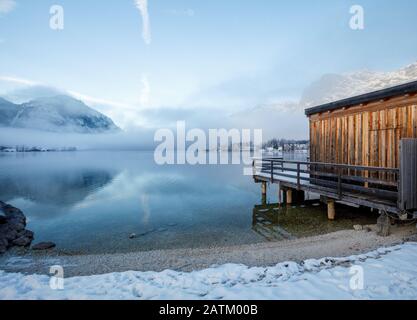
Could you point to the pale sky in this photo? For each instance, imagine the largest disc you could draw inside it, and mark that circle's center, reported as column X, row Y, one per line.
column 133, row 55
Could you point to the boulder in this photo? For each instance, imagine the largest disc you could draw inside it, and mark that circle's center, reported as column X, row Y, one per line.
column 28, row 234
column 403, row 217
column 358, row 227
column 10, row 234
column 17, row 220
column 11, row 211
column 4, row 243
column 16, row 226
column 383, row 225
column 43, row 246
column 22, row 242
column 12, row 228
column 17, row 217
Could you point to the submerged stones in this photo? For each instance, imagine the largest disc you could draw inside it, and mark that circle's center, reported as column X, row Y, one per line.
column 358, row 227
column 153, row 230
column 383, row 225
column 12, row 228
column 43, row 246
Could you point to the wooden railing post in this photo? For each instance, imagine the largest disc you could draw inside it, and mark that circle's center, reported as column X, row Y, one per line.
column 298, row 177
column 339, row 182
column 399, row 188
column 272, row 171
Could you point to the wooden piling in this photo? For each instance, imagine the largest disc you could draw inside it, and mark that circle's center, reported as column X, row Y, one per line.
column 331, row 211
column 300, row 196
column 264, row 188
column 279, row 194
column 289, row 196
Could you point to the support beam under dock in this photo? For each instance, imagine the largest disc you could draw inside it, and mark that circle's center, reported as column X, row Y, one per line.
column 289, row 196
column 331, row 210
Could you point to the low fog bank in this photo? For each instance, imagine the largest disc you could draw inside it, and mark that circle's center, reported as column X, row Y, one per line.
column 275, row 123
column 139, row 139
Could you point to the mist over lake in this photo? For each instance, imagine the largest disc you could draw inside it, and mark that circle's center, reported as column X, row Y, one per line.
column 93, row 201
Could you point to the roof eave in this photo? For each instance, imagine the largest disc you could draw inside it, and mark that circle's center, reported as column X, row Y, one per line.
column 406, row 88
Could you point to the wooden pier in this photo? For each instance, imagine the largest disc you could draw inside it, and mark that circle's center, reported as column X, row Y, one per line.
column 363, row 152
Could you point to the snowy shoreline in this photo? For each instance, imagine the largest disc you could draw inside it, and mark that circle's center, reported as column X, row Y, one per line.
column 388, row 273
column 337, row 244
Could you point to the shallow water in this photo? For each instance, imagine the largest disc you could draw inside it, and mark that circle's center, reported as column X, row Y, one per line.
column 90, row 202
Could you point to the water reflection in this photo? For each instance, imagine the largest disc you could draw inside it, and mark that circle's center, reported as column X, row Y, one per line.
column 51, row 183
column 281, row 222
column 266, row 222
column 58, row 188
column 90, row 202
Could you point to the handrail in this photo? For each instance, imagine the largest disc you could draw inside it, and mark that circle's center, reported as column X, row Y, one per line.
column 338, row 180
column 336, row 165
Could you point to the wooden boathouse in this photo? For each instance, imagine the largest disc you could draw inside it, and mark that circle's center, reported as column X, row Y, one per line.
column 363, row 152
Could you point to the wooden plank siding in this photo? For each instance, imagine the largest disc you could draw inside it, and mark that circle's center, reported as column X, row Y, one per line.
column 408, row 199
column 365, row 135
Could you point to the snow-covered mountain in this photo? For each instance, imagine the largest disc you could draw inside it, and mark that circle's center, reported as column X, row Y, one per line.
column 56, row 114
column 8, row 110
column 333, row 87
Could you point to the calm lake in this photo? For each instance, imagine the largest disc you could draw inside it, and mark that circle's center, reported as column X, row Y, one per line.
column 91, row 202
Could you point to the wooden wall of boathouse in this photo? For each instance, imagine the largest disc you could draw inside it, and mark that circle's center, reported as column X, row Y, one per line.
column 366, row 134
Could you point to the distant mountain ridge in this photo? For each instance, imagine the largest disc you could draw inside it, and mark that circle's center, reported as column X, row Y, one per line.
column 333, row 87
column 329, row 88
column 59, row 113
column 8, row 111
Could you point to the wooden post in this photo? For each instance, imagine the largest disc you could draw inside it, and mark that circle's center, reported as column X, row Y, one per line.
column 298, row 177
column 301, row 196
column 284, row 193
column 264, row 188
column 331, row 212
column 366, row 176
column 339, row 182
column 289, row 196
column 264, row 202
column 279, row 194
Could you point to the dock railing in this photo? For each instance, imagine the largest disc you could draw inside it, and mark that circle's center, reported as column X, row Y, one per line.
column 339, row 178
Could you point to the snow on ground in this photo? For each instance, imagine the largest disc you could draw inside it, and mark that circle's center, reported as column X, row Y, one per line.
column 388, row 273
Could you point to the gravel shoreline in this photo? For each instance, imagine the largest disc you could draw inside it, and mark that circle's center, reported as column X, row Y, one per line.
column 338, row 244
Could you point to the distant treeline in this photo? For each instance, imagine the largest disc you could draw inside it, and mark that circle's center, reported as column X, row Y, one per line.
column 36, row 149
column 282, row 143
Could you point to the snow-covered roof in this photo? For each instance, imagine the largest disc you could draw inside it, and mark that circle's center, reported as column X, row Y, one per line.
column 406, row 88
